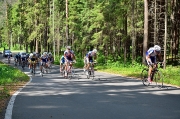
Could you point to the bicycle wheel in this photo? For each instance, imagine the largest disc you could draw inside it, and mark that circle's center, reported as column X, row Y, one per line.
column 72, row 71
column 49, row 67
column 144, row 77
column 87, row 74
column 70, row 75
column 23, row 65
column 42, row 71
column 92, row 74
column 34, row 69
column 158, row 78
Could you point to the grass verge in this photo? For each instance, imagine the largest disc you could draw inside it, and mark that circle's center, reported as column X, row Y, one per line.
column 11, row 79
column 171, row 75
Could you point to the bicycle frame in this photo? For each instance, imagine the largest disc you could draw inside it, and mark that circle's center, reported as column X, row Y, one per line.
column 49, row 66
column 63, row 69
column 69, row 71
column 44, row 68
column 90, row 71
column 33, row 68
column 156, row 76
column 23, row 64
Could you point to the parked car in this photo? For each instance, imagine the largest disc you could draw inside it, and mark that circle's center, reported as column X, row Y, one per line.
column 6, row 53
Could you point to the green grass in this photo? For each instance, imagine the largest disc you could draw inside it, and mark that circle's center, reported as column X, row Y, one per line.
column 9, row 75
column 171, row 75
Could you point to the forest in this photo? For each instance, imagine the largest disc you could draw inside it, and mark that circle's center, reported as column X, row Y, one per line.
column 121, row 30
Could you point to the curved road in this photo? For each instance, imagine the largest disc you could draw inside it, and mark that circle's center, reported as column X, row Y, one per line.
column 106, row 97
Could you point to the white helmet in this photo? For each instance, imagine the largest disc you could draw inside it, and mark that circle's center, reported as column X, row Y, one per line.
column 31, row 55
column 68, row 47
column 157, row 48
column 45, row 53
column 95, row 51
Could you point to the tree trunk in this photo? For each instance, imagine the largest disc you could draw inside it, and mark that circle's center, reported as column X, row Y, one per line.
column 133, row 33
column 67, row 29
column 145, row 42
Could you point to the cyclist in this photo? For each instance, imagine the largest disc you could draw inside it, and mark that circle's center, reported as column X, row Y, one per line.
column 9, row 57
column 151, row 55
column 50, row 58
column 23, row 59
column 32, row 61
column 62, row 62
column 89, row 58
column 44, row 61
column 69, row 57
column 17, row 58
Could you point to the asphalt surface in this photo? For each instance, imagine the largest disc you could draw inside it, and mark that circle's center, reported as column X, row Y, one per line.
column 108, row 96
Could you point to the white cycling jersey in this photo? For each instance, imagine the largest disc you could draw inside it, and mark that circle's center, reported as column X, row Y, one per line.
column 151, row 52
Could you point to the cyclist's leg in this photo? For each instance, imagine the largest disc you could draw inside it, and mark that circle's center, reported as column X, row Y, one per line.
column 30, row 64
column 150, row 69
column 61, row 66
column 41, row 66
column 66, row 65
column 34, row 67
column 88, row 63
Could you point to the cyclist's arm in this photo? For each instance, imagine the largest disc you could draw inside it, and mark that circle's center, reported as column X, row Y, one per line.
column 65, row 57
column 148, row 59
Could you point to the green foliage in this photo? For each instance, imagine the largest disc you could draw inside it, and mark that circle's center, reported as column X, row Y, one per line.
column 101, row 59
column 57, row 60
column 170, row 74
column 9, row 74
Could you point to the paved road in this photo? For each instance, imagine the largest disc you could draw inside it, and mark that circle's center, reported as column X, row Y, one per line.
column 111, row 97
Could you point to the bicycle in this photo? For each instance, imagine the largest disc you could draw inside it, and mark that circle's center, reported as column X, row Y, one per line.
column 90, row 72
column 19, row 61
column 44, row 69
column 49, row 66
column 70, row 71
column 23, row 64
column 9, row 59
column 156, row 76
column 33, row 68
column 62, row 70
column 15, row 61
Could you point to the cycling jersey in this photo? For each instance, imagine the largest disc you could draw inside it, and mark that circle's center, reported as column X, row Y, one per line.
column 33, row 59
column 62, row 60
column 44, row 59
column 152, row 54
column 50, row 58
column 90, row 55
column 68, row 55
column 23, row 58
column 17, row 56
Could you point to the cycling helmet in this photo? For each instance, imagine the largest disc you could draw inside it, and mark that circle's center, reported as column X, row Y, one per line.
column 157, row 48
column 45, row 53
column 49, row 53
column 68, row 47
column 31, row 55
column 95, row 51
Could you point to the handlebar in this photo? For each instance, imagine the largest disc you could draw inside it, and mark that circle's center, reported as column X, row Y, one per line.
column 160, row 63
